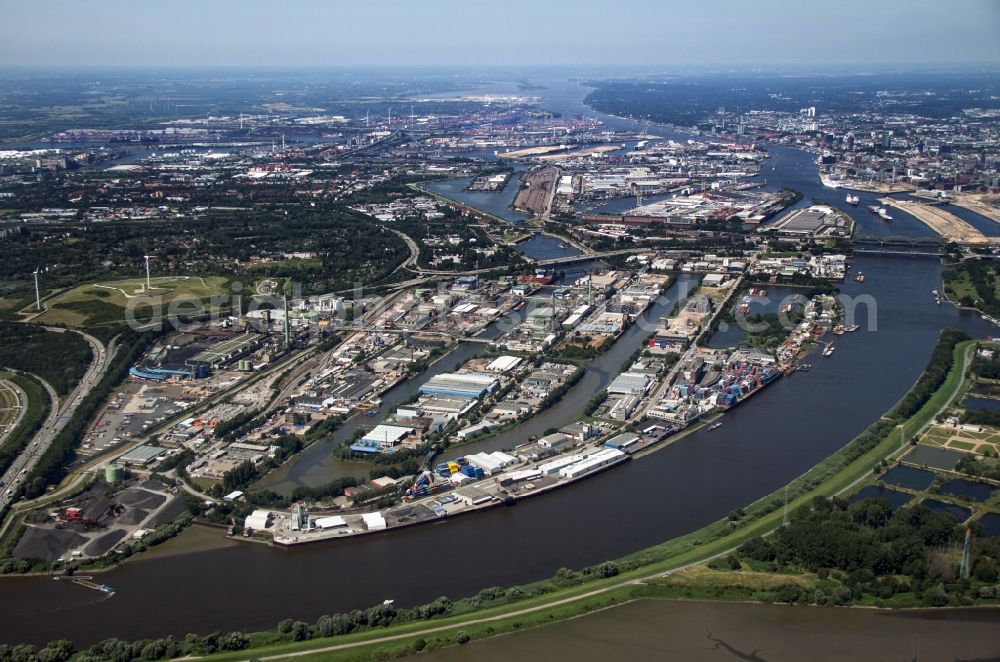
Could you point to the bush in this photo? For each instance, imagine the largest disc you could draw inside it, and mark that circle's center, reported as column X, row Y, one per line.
column 936, row 596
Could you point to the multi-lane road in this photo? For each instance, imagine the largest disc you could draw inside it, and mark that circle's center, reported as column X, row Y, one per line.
column 59, row 414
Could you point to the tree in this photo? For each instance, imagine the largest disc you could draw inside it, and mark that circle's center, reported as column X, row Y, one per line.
column 332, row 626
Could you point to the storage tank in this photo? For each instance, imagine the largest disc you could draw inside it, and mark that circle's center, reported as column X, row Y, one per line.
column 113, row 473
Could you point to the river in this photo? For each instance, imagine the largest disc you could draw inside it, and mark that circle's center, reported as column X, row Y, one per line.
column 712, row 631
column 790, row 426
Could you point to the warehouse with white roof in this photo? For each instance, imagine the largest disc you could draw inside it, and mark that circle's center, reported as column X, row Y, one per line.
column 461, row 384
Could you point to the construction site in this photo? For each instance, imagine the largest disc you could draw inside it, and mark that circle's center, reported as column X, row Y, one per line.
column 944, row 223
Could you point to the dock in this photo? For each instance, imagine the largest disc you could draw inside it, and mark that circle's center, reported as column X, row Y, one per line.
column 943, row 223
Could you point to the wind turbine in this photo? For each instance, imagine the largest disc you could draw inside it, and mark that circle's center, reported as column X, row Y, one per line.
column 148, row 284
column 38, row 298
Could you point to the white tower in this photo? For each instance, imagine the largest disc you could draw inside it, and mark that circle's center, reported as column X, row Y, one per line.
column 38, row 297
column 148, row 284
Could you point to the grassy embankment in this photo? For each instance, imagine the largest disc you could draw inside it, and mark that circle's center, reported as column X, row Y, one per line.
column 105, row 303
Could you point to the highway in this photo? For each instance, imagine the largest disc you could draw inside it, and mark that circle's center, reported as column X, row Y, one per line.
column 59, row 414
column 414, row 251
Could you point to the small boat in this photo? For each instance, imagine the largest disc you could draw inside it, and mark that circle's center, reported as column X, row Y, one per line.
column 838, row 330
column 860, row 277
column 715, row 425
column 884, row 214
column 804, row 367
column 873, row 208
column 829, row 351
column 852, row 328
column 853, row 200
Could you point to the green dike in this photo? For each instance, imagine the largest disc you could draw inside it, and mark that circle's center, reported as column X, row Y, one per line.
column 833, row 476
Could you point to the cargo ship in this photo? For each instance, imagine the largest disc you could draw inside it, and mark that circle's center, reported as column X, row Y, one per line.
column 540, row 277
column 747, row 384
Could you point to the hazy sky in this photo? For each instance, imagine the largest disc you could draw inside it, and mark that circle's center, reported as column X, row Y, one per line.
column 335, row 33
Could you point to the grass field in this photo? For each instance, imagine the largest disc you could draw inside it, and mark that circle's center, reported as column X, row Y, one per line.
column 960, row 286
column 105, row 302
column 9, row 405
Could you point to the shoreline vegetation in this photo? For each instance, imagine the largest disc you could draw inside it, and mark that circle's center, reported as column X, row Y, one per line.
column 385, row 631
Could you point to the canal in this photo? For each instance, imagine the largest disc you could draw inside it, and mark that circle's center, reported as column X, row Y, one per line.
column 790, row 426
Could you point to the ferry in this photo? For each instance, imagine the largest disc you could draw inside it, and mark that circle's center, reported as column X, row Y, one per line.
column 884, row 214
column 829, row 351
column 853, row 200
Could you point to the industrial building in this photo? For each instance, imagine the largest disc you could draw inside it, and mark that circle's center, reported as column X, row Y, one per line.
column 815, row 221
column 141, row 455
column 504, row 364
column 460, row 384
column 629, row 383
column 386, row 436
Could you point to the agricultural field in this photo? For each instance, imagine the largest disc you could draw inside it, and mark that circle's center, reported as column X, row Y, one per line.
column 104, row 303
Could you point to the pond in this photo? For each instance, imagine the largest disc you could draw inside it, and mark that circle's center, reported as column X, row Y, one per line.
column 896, row 499
column 968, row 489
column 908, row 477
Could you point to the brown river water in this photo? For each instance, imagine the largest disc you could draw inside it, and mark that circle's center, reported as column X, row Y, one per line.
column 720, row 631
